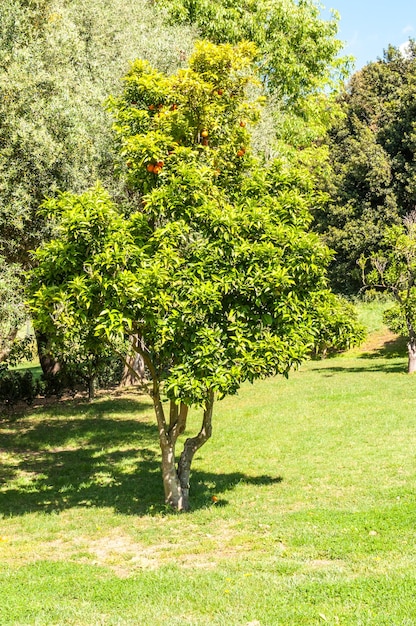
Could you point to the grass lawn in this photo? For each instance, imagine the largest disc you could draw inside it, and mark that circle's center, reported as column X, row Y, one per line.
column 314, row 523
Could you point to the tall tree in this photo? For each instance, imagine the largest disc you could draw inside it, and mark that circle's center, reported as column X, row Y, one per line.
column 297, row 49
column 215, row 278
column 59, row 63
column 372, row 151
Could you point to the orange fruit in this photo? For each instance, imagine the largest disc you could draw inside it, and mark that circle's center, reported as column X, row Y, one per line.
column 150, row 167
column 204, row 133
column 242, row 123
column 241, row 152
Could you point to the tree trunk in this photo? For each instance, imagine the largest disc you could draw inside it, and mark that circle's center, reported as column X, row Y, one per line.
column 134, row 369
column 4, row 352
column 191, row 446
column 171, row 482
column 176, row 479
column 91, row 386
column 48, row 363
column 411, row 350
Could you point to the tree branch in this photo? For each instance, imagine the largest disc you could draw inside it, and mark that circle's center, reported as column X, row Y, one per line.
column 177, row 421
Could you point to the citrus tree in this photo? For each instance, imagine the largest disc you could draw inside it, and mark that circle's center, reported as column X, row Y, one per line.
column 215, row 278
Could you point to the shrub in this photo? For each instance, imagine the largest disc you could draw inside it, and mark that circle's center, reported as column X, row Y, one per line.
column 17, row 387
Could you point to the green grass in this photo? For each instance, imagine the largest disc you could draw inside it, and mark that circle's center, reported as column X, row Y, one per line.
column 371, row 313
column 315, row 519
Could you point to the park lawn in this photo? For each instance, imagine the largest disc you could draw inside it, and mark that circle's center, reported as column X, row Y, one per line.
column 314, row 518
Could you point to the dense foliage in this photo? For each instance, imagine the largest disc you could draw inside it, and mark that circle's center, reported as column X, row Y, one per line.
column 215, row 278
column 12, row 314
column 17, row 387
column 59, row 62
column 299, row 62
column 372, row 152
column 297, row 50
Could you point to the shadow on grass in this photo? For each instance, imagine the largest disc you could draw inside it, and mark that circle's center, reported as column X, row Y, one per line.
column 93, row 460
column 385, row 368
column 394, row 349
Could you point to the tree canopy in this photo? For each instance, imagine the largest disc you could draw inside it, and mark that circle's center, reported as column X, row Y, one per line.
column 297, row 49
column 372, row 149
column 59, row 63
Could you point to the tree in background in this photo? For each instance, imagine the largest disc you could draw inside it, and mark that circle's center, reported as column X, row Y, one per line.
column 394, row 271
column 12, row 314
column 372, row 152
column 298, row 56
column 296, row 50
column 215, row 279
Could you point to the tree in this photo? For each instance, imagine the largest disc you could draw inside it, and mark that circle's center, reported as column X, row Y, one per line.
column 215, row 278
column 297, row 50
column 371, row 149
column 12, row 314
column 59, row 63
column 394, row 271
column 298, row 60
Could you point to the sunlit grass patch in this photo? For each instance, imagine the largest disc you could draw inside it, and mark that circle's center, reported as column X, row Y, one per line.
column 303, row 507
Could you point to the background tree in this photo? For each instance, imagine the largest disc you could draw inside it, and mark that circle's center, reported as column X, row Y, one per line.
column 215, row 277
column 372, row 150
column 296, row 49
column 12, row 314
column 394, row 271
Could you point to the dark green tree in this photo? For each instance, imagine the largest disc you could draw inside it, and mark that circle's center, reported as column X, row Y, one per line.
column 372, row 153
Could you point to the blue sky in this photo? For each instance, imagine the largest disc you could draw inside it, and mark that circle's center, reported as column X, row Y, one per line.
column 368, row 26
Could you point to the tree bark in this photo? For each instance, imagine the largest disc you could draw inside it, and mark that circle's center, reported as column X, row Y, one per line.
column 411, row 350
column 134, row 369
column 191, row 446
column 171, row 483
column 4, row 353
column 48, row 363
column 91, row 387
